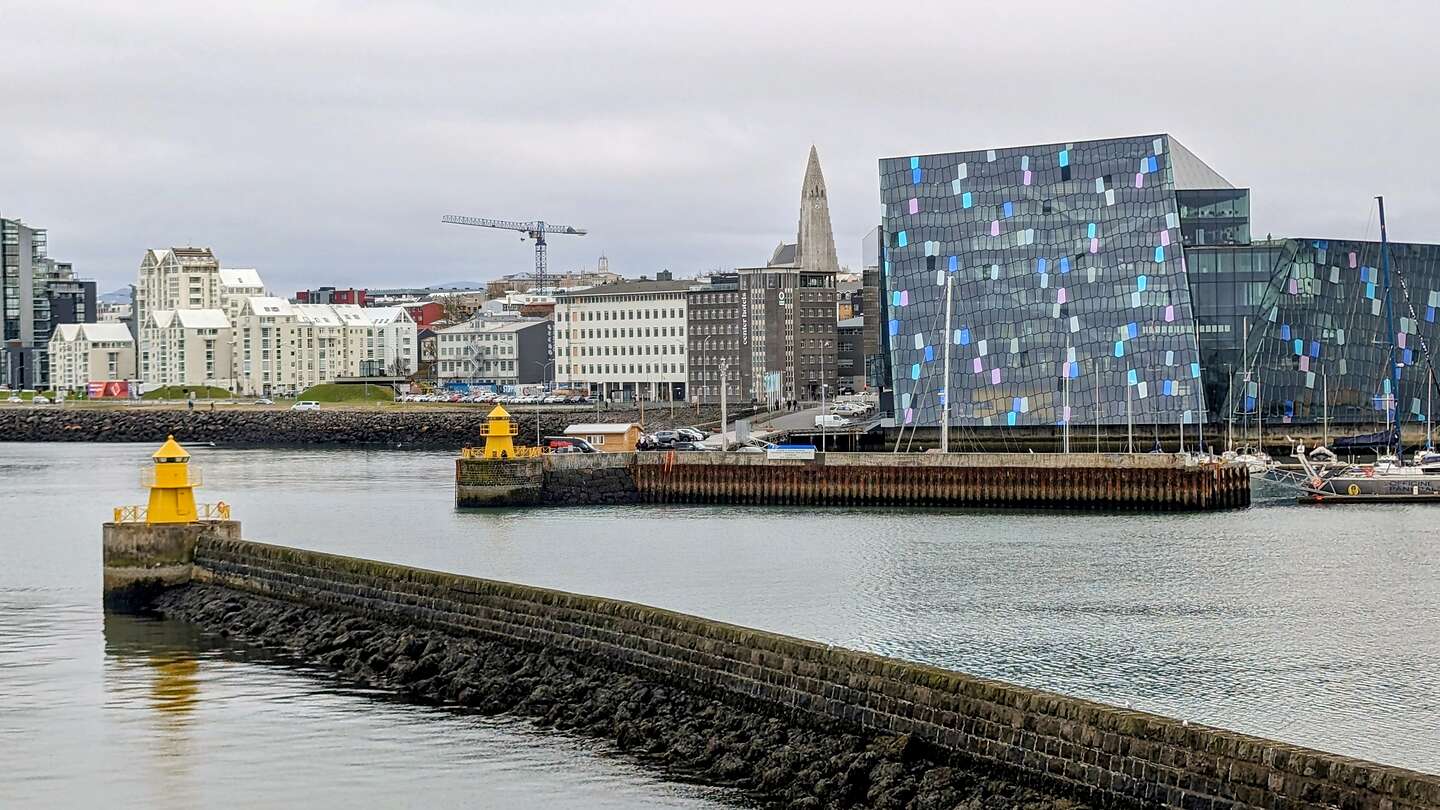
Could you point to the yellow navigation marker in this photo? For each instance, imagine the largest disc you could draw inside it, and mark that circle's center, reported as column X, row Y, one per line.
column 172, row 493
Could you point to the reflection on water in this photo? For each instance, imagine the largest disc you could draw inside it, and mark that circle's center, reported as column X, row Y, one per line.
column 1316, row 626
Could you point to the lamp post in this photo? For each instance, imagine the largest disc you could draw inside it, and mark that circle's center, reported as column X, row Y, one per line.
column 544, row 375
column 724, row 368
column 824, row 344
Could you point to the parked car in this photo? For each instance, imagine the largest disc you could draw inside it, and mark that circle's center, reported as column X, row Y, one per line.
column 305, row 405
column 667, row 438
column 14, row 398
column 692, row 434
column 41, row 399
column 688, row 446
column 264, row 401
column 830, row 420
column 568, row 444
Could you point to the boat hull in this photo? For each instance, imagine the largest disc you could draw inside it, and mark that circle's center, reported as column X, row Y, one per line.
column 1415, row 488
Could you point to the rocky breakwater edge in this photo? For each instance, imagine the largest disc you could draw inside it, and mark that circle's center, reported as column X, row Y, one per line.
column 439, row 429
column 772, row 762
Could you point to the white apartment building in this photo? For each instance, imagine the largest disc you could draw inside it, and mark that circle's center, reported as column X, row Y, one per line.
column 177, row 278
column 289, row 347
column 501, row 351
column 185, row 347
column 392, row 344
column 90, row 352
column 624, row 340
column 237, row 284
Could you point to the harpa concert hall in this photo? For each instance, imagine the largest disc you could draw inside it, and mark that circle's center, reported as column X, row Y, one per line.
column 1119, row 276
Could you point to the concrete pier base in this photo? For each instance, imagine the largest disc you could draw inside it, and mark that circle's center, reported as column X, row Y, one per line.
column 142, row 559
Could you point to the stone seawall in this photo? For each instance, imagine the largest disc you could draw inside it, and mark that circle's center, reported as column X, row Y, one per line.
column 1081, row 749
column 448, row 429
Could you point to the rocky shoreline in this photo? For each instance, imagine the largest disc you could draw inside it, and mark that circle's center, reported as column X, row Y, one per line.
column 772, row 761
column 414, row 430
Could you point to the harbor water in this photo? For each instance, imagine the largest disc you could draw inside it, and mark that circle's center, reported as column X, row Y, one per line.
column 1314, row 625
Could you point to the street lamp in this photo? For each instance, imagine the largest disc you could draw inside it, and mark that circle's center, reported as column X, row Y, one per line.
column 544, row 375
column 724, row 368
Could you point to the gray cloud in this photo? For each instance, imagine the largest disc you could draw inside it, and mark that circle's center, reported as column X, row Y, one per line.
column 321, row 141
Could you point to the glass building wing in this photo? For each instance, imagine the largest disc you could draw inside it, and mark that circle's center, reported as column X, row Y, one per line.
column 1069, row 284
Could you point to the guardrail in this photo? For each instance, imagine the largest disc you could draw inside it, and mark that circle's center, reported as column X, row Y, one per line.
column 520, row 452
column 196, row 476
column 203, row 512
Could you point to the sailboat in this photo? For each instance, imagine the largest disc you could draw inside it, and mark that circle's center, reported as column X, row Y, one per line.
column 1389, row 478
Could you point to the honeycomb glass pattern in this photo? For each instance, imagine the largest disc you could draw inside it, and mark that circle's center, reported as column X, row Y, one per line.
column 1066, row 264
column 1307, row 319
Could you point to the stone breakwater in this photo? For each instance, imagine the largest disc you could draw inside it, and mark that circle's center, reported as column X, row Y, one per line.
column 1061, row 746
column 448, row 429
column 775, row 762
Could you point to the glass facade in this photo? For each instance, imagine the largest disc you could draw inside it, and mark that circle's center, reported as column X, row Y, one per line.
column 1066, row 265
column 1126, row 267
column 1307, row 319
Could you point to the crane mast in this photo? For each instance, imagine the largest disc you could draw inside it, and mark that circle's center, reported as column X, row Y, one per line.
column 532, row 230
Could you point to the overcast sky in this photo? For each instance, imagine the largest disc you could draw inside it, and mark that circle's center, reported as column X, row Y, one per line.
column 321, row 141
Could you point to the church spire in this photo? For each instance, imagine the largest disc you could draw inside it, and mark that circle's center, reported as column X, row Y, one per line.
column 815, row 249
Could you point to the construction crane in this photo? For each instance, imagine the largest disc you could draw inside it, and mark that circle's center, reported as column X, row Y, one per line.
column 532, row 230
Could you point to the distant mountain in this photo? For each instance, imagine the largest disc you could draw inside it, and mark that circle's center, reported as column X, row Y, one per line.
column 458, row 285
column 120, row 296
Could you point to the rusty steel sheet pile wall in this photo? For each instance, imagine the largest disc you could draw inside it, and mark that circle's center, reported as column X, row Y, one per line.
column 1103, row 753
column 1118, row 481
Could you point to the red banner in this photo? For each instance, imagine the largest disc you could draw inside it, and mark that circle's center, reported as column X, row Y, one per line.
column 108, row 389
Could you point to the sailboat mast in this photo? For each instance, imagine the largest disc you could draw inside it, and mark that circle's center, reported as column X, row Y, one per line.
column 945, row 384
column 1065, row 414
column 1394, row 372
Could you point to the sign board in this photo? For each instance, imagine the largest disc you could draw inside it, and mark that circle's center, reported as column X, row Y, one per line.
column 108, row 389
column 791, row 452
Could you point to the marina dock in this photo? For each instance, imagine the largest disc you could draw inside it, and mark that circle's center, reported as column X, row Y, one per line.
column 1149, row 482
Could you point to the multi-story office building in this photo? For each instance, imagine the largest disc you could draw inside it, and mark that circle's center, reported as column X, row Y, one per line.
column 37, row 294
column 623, row 341
column 1121, row 273
column 850, row 353
column 331, row 295
column 717, row 340
column 501, row 351
column 81, row 353
column 789, row 312
column 186, row 347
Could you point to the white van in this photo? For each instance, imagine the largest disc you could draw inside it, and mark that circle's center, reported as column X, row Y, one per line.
column 830, row 420
column 305, row 405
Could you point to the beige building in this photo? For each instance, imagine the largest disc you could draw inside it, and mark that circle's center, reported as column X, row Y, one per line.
column 623, row 341
column 90, row 352
column 185, row 347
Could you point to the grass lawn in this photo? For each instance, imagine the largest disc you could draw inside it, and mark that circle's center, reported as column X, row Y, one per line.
column 183, row 392
column 334, row 392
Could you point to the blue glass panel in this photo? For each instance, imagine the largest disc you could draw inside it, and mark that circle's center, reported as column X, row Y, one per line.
column 1284, row 331
column 1040, row 265
column 1132, row 377
column 1133, row 329
column 1315, row 348
column 964, row 337
column 966, row 200
column 1119, row 348
column 1064, row 157
column 904, row 239
column 1009, row 209
column 1140, row 283
column 930, row 355
column 894, row 327
column 1064, row 264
